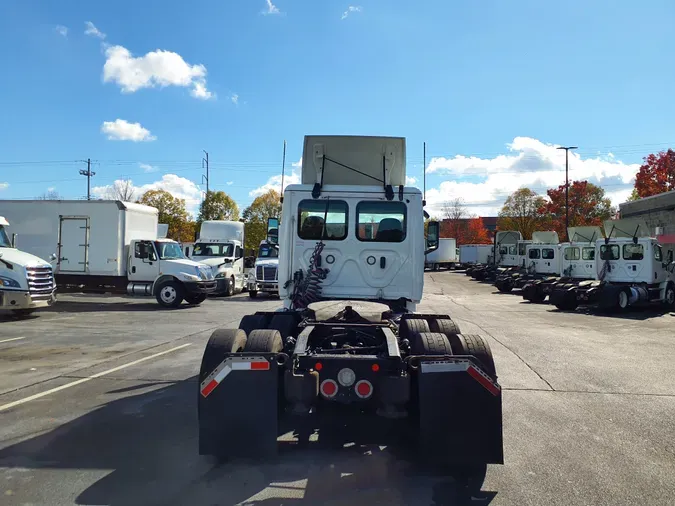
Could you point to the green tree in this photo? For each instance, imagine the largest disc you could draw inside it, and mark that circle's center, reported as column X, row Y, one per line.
column 265, row 206
column 522, row 212
column 218, row 206
column 172, row 211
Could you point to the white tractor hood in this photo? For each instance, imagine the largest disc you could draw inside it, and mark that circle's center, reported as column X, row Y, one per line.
column 18, row 257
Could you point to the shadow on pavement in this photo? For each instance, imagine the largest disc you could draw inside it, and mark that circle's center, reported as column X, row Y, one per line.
column 85, row 306
column 147, row 445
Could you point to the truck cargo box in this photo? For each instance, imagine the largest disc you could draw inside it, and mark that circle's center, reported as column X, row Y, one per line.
column 88, row 237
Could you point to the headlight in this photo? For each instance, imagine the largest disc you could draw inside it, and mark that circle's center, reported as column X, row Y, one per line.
column 190, row 277
column 220, row 275
column 10, row 283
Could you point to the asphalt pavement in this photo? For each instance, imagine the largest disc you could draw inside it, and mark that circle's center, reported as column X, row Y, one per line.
column 98, row 406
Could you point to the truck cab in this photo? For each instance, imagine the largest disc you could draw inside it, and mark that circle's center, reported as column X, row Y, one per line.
column 264, row 277
column 543, row 254
column 221, row 246
column 26, row 281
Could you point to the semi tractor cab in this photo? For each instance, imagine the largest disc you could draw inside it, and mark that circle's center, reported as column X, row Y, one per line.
column 505, row 257
column 631, row 270
column 265, row 277
column 348, row 344
column 221, row 246
column 26, row 281
column 541, row 261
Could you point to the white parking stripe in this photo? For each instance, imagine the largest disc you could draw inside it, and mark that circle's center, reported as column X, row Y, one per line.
column 89, row 378
column 12, row 339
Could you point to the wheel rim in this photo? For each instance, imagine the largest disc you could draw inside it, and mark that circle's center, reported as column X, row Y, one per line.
column 623, row 300
column 168, row 294
column 230, row 290
column 670, row 296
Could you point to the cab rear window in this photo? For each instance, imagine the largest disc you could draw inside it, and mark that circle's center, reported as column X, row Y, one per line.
column 381, row 221
column 323, row 219
column 609, row 252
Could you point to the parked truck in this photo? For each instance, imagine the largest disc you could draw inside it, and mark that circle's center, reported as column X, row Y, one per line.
column 108, row 246
column 445, row 257
column 505, row 246
column 265, row 277
column 542, row 261
column 631, row 270
column 348, row 343
column 26, row 281
column 220, row 245
column 577, row 266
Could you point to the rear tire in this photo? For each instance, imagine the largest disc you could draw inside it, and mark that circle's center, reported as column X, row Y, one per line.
column 264, row 341
column 251, row 322
column 479, row 348
column 623, row 299
column 170, row 294
column 286, row 324
column 431, row 343
column 253, row 293
column 410, row 327
column 445, row 326
column 221, row 343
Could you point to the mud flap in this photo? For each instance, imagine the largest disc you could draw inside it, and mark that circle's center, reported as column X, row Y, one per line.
column 238, row 406
column 460, row 413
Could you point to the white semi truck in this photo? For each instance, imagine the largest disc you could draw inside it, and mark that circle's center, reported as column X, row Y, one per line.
column 26, row 281
column 108, row 246
column 542, row 260
column 446, row 256
column 348, row 343
column 220, row 245
column 508, row 246
column 264, row 277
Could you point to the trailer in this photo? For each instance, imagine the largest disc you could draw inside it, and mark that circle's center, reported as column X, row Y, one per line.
column 445, row 257
column 108, row 246
column 632, row 270
column 348, row 343
column 577, row 266
column 542, row 261
column 472, row 255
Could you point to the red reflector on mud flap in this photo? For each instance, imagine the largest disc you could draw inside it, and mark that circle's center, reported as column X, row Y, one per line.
column 227, row 366
column 483, row 380
column 463, row 365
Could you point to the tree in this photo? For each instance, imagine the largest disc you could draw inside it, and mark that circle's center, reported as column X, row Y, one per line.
column 218, row 206
column 172, row 211
column 454, row 219
column 656, row 175
column 122, row 189
column 50, row 195
column 475, row 232
column 588, row 207
column 267, row 205
column 521, row 212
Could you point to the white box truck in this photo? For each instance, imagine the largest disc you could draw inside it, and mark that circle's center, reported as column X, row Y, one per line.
column 472, row 254
column 220, row 245
column 108, row 246
column 26, row 281
column 446, row 256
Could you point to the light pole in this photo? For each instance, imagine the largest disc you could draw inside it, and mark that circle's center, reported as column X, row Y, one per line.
column 567, row 188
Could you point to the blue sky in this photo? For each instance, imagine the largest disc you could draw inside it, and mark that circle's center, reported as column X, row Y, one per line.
column 490, row 85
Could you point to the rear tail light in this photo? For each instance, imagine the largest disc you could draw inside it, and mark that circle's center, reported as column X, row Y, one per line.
column 364, row 389
column 328, row 388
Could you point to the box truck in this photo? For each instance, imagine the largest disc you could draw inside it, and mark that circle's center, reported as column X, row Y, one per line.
column 221, row 246
column 446, row 256
column 108, row 246
column 472, row 254
column 26, row 281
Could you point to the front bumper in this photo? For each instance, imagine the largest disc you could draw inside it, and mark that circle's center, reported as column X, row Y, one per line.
column 197, row 287
column 263, row 286
column 10, row 299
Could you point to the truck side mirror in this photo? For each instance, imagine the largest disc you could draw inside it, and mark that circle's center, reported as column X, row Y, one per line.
column 669, row 257
column 15, row 240
column 273, row 230
column 433, row 233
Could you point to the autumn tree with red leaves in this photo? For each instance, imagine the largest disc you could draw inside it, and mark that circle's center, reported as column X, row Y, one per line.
column 460, row 225
column 475, row 233
column 588, row 207
column 656, row 175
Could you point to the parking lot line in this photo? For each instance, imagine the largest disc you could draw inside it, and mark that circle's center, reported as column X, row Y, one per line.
column 89, row 378
column 12, row 339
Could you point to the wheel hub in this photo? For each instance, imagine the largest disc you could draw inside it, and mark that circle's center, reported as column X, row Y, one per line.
column 168, row 294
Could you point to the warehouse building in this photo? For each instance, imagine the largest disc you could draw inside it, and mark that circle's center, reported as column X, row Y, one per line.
column 658, row 211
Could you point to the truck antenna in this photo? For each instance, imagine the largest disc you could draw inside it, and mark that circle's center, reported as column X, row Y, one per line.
column 283, row 169
column 424, row 176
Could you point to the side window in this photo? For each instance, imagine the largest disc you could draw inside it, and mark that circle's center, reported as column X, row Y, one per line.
column 137, row 250
column 633, row 252
column 521, row 249
column 572, row 253
column 658, row 253
column 381, row 221
column 148, row 247
column 609, row 252
column 535, row 253
column 512, row 250
column 313, row 213
column 547, row 253
column 588, row 254
column 503, row 250
column 238, row 252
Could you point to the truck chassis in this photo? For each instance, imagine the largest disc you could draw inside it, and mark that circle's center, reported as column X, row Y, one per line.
column 340, row 357
column 610, row 296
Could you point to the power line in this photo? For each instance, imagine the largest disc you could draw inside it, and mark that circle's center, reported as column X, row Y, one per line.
column 89, row 175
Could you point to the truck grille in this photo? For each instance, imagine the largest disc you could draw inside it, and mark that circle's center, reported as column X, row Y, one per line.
column 40, row 282
column 266, row 273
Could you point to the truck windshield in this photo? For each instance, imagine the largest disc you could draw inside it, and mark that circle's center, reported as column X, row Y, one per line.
column 267, row 251
column 169, row 250
column 4, row 240
column 213, row 250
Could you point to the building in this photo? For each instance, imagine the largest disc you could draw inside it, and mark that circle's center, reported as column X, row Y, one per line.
column 658, row 211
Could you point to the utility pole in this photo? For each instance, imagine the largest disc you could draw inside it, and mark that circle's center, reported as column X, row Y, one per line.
column 567, row 187
column 205, row 164
column 88, row 173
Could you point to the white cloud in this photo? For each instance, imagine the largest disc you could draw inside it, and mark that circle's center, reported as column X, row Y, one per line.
column 148, row 168
column 229, row 183
column 91, row 30
column 51, row 189
column 530, row 163
column 410, row 180
column 235, row 99
column 61, row 30
column 271, row 8
column 157, row 68
column 122, row 130
column 4, row 186
column 178, row 186
column 351, row 9
column 274, row 183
